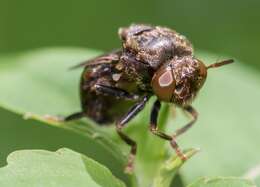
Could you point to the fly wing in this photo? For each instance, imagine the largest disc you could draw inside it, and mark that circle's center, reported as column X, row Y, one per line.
column 107, row 58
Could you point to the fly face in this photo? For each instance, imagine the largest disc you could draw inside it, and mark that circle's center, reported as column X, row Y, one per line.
column 190, row 75
column 179, row 80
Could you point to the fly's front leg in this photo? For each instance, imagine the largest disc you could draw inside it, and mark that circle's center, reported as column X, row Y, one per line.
column 122, row 122
column 172, row 139
column 155, row 131
column 194, row 114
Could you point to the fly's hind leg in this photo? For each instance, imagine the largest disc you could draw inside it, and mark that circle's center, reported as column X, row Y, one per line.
column 121, row 123
column 74, row 116
column 56, row 119
column 171, row 139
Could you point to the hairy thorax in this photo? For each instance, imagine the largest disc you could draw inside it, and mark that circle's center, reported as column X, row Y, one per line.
column 146, row 48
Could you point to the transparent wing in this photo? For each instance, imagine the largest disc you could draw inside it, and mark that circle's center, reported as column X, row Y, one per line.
column 107, row 58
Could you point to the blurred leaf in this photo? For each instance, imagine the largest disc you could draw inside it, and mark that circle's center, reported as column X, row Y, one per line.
column 222, row 182
column 40, row 81
column 62, row 168
column 170, row 168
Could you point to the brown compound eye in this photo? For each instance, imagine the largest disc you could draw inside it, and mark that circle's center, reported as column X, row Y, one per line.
column 163, row 84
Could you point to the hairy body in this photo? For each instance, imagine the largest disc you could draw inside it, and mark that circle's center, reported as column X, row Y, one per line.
column 153, row 60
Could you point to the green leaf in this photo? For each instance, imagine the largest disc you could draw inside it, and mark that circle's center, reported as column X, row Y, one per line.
column 33, row 82
column 170, row 168
column 222, row 182
column 62, row 168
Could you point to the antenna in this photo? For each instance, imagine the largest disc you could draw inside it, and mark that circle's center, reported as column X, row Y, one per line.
column 218, row 64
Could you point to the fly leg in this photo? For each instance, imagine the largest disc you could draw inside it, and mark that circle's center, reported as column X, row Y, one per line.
column 105, row 90
column 171, row 139
column 122, row 122
column 155, row 131
column 194, row 114
column 74, row 116
column 116, row 92
column 59, row 119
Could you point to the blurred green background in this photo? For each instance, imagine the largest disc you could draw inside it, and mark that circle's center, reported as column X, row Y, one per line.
column 222, row 27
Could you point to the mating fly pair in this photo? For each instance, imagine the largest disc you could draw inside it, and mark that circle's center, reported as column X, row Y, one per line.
column 153, row 60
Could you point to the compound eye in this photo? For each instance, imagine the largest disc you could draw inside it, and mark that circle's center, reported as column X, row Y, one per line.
column 163, row 84
column 166, row 79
